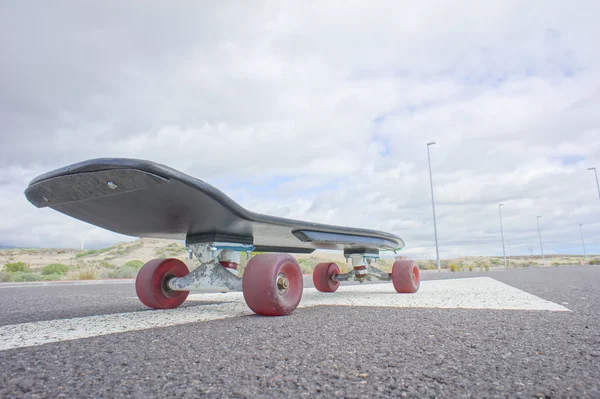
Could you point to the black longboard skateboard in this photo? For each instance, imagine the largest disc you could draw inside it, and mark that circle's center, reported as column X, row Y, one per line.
column 145, row 199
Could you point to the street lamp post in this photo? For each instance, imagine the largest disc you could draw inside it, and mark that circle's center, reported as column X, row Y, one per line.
column 437, row 252
column 502, row 233
column 583, row 242
column 540, row 234
column 597, row 185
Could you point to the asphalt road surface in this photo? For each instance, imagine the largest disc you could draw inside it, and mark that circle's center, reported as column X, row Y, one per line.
column 517, row 333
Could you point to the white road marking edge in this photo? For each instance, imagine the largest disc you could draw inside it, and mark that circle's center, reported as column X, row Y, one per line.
column 467, row 293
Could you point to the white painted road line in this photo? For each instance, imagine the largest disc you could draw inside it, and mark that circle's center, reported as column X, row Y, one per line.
column 42, row 332
column 464, row 293
column 468, row 293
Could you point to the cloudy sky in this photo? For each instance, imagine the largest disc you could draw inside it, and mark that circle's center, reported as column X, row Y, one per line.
column 318, row 111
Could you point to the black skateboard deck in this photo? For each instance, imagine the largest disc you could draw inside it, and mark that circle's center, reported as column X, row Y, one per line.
column 145, row 199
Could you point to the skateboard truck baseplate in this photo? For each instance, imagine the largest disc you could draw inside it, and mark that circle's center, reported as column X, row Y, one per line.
column 362, row 269
column 211, row 275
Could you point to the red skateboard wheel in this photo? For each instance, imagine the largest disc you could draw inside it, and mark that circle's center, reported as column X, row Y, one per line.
column 322, row 277
column 272, row 284
column 151, row 283
column 405, row 276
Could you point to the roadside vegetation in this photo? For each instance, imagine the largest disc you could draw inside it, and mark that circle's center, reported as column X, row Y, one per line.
column 15, row 267
column 128, row 270
column 20, row 272
column 124, row 260
column 55, row 268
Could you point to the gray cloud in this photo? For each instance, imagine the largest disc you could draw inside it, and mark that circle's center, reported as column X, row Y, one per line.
column 338, row 98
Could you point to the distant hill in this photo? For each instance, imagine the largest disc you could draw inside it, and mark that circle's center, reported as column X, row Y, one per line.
column 116, row 256
column 107, row 260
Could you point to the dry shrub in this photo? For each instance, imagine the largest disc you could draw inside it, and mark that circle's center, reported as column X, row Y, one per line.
column 84, row 273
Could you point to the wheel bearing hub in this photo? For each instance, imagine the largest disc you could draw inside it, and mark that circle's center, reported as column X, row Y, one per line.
column 282, row 283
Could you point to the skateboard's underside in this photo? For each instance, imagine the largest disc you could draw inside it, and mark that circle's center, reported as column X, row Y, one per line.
column 144, row 199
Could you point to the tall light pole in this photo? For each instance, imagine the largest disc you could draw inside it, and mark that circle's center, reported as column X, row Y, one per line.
column 540, row 234
column 597, row 185
column 437, row 252
column 502, row 232
column 583, row 243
